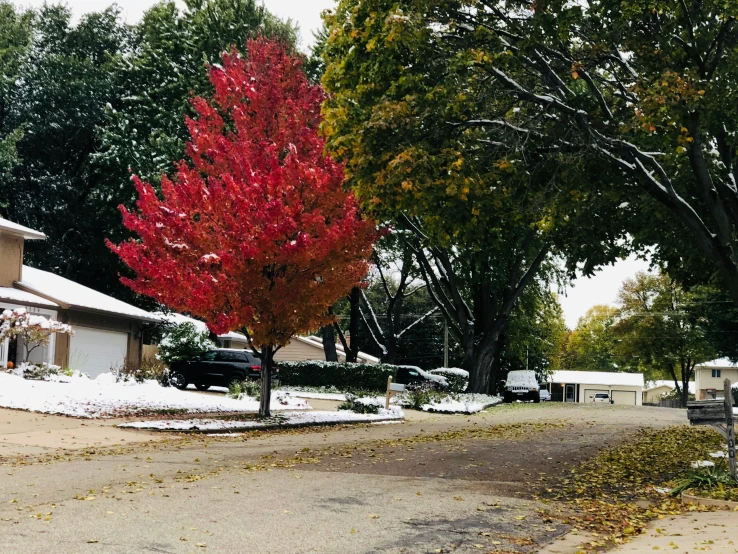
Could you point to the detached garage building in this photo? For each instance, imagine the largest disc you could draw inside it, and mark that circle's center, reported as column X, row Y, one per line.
column 107, row 332
column 581, row 386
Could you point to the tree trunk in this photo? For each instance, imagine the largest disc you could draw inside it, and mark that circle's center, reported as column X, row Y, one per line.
column 353, row 350
column 329, row 343
column 265, row 399
column 480, row 367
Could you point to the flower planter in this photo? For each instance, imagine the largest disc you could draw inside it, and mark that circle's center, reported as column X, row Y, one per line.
column 691, row 499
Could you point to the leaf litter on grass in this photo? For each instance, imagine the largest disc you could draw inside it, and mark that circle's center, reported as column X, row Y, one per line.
column 614, row 495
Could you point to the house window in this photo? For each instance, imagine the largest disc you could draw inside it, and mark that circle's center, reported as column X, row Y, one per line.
column 716, row 373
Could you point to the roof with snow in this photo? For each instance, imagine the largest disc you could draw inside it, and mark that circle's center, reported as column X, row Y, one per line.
column 650, row 385
column 23, row 297
column 721, row 363
column 201, row 326
column 609, row 378
column 15, row 229
column 69, row 294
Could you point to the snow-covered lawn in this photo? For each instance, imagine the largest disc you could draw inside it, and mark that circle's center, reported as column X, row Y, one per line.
column 103, row 398
column 299, row 392
column 463, row 404
column 285, row 419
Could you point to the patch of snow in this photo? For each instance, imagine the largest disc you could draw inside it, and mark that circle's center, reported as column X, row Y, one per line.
column 103, row 398
column 703, row 463
column 73, row 294
column 451, row 371
column 521, row 378
column 287, row 419
column 718, row 454
column 23, row 297
column 462, row 404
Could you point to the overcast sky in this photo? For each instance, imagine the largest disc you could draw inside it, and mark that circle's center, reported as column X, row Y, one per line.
column 601, row 289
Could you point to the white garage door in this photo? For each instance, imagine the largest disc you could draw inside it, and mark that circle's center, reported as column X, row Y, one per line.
column 626, row 397
column 93, row 351
column 589, row 393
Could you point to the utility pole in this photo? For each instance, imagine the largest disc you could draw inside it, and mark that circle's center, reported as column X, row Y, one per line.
column 526, row 357
column 445, row 342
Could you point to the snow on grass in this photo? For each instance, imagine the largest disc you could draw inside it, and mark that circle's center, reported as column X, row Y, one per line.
column 79, row 396
column 286, row 419
column 317, row 394
column 462, row 403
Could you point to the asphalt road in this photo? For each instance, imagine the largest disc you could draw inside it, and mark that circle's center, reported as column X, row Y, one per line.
column 447, row 484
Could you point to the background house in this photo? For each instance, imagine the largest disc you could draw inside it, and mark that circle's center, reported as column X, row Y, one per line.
column 107, row 332
column 299, row 349
column 709, row 377
column 654, row 391
column 581, row 386
column 302, row 349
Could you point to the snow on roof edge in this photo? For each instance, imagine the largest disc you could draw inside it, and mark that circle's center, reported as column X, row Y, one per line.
column 16, row 229
column 68, row 293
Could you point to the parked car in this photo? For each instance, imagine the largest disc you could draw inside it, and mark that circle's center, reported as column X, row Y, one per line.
column 414, row 377
column 522, row 385
column 601, row 397
column 218, row 367
column 545, row 395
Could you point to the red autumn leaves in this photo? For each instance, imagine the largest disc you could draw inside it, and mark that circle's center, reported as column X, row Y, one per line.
column 255, row 229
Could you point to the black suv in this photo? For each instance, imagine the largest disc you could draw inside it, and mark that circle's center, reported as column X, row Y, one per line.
column 219, row 367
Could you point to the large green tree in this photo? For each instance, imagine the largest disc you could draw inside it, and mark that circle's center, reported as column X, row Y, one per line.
column 648, row 87
column 94, row 102
column 57, row 99
column 484, row 215
column 664, row 327
column 591, row 346
column 15, row 42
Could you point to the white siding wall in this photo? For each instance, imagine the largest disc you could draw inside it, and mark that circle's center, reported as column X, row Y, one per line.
column 585, row 391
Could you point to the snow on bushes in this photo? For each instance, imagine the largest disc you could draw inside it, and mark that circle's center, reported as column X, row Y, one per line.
column 182, row 342
column 457, row 378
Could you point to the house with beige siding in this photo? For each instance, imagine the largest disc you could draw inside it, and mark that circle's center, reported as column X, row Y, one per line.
column 303, row 349
column 656, row 390
column 106, row 331
column 709, row 378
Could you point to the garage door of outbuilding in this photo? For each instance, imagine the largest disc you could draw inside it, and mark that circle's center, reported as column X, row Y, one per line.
column 589, row 394
column 95, row 351
column 627, row 397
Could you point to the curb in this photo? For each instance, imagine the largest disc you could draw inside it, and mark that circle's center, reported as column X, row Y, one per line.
column 269, row 427
column 691, row 499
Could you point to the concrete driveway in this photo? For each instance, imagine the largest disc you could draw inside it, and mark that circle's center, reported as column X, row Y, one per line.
column 31, row 434
column 458, row 483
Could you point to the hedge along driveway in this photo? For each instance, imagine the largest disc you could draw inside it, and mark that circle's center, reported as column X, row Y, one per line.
column 343, row 376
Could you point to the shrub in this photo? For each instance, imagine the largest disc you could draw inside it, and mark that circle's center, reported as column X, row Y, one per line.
column 39, row 372
column 183, row 342
column 352, row 404
column 343, row 376
column 417, row 397
column 706, row 479
column 150, row 368
column 458, row 379
column 249, row 387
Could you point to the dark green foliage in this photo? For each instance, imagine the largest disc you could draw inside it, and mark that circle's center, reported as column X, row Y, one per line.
column 353, row 405
column 417, row 397
column 84, row 105
column 707, row 479
column 457, row 383
column 343, row 376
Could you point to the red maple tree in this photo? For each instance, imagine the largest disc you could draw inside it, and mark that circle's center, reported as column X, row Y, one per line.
column 256, row 231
